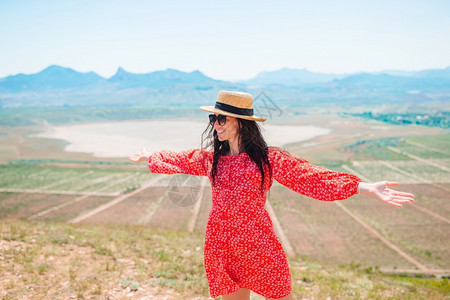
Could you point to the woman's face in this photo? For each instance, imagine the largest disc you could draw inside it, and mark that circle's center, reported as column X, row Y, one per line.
column 229, row 131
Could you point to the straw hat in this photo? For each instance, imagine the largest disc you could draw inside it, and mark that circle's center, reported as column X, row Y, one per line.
column 234, row 104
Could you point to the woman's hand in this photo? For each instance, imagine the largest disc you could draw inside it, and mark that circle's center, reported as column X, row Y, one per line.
column 381, row 191
column 139, row 157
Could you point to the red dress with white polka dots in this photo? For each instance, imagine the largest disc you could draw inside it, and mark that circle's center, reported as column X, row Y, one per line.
column 241, row 248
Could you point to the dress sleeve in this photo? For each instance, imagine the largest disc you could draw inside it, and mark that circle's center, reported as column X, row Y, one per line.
column 192, row 162
column 307, row 179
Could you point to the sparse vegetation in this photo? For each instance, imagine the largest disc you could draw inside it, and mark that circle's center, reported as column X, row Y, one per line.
column 58, row 260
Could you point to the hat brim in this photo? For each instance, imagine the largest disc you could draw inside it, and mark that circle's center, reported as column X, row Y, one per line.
column 212, row 109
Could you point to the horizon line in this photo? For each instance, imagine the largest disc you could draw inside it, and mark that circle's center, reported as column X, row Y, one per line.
column 236, row 80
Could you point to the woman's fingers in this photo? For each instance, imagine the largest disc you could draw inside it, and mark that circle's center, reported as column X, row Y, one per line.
column 403, row 200
column 134, row 157
column 402, row 194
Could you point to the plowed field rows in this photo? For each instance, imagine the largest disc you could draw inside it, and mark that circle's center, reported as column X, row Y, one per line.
column 131, row 210
column 417, row 233
column 432, row 197
column 22, row 205
column 169, row 215
column 73, row 210
column 323, row 231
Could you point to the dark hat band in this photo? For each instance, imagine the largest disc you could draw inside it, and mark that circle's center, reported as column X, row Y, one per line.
column 234, row 109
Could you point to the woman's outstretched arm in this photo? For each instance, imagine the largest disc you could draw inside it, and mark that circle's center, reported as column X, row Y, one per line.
column 381, row 191
column 320, row 183
column 191, row 161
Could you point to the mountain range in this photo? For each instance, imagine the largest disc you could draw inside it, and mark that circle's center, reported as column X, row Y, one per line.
column 60, row 86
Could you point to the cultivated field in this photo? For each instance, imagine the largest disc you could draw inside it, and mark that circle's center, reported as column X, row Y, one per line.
column 41, row 182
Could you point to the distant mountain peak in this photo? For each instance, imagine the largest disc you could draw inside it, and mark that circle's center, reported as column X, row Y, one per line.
column 121, row 71
column 53, row 67
column 57, row 69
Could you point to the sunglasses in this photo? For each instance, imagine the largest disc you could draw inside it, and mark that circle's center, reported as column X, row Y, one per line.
column 221, row 119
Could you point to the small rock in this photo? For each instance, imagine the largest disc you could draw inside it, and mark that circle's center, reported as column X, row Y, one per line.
column 134, row 286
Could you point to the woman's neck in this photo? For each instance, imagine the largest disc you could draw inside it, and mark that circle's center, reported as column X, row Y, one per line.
column 234, row 146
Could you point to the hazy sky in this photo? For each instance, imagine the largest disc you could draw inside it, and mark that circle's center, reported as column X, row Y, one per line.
column 227, row 40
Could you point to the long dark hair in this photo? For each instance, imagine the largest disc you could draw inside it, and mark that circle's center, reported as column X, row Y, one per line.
column 251, row 141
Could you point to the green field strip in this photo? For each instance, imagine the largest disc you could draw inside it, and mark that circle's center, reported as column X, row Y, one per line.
column 50, row 178
column 354, row 172
column 116, row 183
column 374, row 149
column 442, row 162
column 403, row 172
column 423, row 152
column 98, row 182
column 417, row 158
column 441, row 150
column 376, row 171
column 39, row 173
column 440, row 142
column 129, row 184
column 54, row 192
column 29, row 177
column 423, row 170
column 89, row 181
column 65, row 179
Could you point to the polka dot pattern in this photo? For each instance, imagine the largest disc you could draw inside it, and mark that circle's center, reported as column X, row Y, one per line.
column 241, row 247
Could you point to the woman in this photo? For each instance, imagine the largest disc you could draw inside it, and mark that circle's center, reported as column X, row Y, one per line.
column 242, row 252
